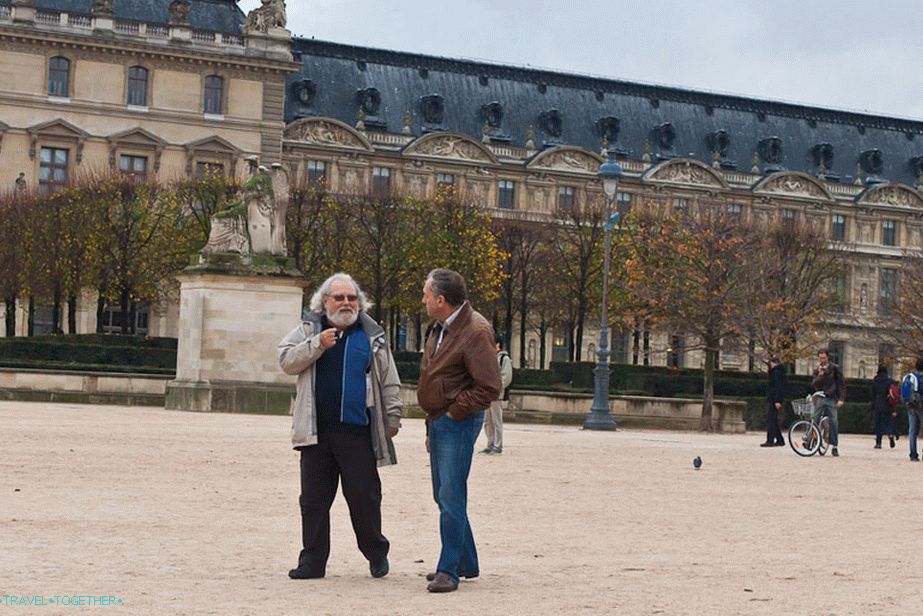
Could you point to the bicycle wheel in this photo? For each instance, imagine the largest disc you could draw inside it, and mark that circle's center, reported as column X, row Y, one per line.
column 804, row 438
column 824, row 429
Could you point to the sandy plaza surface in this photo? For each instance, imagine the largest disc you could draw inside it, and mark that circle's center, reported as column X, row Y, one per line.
column 188, row 513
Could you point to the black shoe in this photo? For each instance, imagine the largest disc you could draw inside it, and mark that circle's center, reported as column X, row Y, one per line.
column 835, row 453
column 914, row 458
column 878, row 446
column 891, row 441
column 379, row 569
column 767, row 444
column 468, row 576
column 780, row 443
column 302, row 573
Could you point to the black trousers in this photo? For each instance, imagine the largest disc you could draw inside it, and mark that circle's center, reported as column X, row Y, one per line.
column 773, row 433
column 348, row 457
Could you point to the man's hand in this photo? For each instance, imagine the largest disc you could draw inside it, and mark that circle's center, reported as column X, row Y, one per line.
column 839, row 404
column 392, row 432
column 778, row 406
column 328, row 337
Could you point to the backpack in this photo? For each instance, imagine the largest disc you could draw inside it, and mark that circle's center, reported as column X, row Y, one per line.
column 910, row 390
column 894, row 394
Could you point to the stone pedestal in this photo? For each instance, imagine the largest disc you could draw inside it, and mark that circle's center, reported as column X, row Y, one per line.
column 231, row 319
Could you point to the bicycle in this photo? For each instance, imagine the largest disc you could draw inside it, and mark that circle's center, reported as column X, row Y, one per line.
column 808, row 436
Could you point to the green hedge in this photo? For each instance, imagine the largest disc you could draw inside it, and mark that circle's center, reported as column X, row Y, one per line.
column 681, row 382
column 131, row 353
column 854, row 417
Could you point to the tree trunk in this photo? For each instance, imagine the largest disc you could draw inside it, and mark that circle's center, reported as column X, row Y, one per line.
column 123, row 305
column 418, row 335
column 635, row 346
column 523, row 314
column 10, row 316
column 708, row 385
column 581, row 317
column 751, row 355
column 30, row 323
column 72, row 314
column 647, row 346
column 543, row 333
column 56, row 311
column 100, row 312
column 132, row 318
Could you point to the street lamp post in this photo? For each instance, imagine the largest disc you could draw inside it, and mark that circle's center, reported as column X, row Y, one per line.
column 600, row 418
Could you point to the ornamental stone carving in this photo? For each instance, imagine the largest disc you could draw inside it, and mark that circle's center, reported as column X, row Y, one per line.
column 893, row 194
column 685, row 172
column 351, row 181
column 449, row 146
column 415, row 185
column 795, row 184
column 325, row 132
column 567, row 160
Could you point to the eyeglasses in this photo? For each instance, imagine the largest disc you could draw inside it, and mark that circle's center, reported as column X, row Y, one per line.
column 339, row 297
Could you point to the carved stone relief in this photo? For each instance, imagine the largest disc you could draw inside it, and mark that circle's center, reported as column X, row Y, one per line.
column 865, row 231
column 323, row 133
column 793, row 185
column 477, row 191
column 415, row 185
column 538, row 197
column 894, row 195
column 685, row 172
column 569, row 161
column 351, row 180
column 450, row 147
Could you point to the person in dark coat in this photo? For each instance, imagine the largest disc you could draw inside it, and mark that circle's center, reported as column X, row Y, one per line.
column 883, row 411
column 774, row 398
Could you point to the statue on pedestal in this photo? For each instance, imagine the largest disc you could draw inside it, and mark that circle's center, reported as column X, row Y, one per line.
column 256, row 224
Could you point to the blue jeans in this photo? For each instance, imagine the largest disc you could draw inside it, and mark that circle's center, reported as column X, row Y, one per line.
column 451, row 446
column 913, row 421
column 827, row 406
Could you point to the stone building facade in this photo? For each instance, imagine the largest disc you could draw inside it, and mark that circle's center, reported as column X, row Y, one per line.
column 525, row 143
column 159, row 89
column 521, row 142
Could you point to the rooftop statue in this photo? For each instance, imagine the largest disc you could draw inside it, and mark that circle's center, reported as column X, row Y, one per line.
column 268, row 16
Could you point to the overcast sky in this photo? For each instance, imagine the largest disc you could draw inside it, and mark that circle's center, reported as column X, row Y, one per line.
column 847, row 54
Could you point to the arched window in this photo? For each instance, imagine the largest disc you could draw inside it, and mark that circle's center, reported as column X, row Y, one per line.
column 137, row 86
column 214, row 94
column 58, row 76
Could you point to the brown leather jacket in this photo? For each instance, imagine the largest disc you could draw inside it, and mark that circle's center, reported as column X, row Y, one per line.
column 463, row 376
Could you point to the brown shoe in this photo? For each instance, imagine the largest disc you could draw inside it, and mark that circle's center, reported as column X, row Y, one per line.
column 442, row 583
column 468, row 576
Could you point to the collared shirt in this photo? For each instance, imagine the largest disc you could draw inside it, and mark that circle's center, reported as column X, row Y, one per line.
column 445, row 325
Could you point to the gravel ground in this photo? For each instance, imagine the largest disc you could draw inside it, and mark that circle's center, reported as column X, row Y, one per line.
column 187, row 513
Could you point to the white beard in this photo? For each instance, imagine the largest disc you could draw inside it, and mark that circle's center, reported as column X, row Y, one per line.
column 343, row 318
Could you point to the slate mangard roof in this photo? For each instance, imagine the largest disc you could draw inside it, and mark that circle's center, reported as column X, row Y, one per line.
column 216, row 15
column 560, row 108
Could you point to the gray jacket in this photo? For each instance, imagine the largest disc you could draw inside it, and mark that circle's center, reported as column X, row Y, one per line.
column 298, row 352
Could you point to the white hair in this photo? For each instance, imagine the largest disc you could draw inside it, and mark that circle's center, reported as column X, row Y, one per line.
column 317, row 300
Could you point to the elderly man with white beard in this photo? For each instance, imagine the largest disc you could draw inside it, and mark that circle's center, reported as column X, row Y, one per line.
column 346, row 411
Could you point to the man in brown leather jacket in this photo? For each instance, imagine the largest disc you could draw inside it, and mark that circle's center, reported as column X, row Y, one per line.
column 459, row 377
